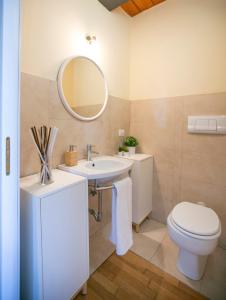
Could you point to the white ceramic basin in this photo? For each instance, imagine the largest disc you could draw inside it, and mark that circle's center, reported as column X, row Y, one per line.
column 102, row 167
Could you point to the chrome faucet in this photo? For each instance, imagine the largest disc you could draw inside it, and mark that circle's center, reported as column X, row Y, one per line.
column 90, row 152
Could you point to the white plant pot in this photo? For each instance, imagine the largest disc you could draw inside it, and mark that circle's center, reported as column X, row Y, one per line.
column 132, row 150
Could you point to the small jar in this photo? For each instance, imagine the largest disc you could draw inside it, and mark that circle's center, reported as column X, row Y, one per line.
column 71, row 156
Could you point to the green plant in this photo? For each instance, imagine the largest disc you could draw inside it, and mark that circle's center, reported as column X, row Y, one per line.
column 123, row 149
column 131, row 141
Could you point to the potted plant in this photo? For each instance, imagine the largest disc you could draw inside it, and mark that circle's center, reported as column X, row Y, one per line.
column 131, row 142
column 122, row 150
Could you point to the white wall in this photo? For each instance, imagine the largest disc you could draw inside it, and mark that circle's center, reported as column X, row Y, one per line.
column 179, row 48
column 54, row 30
column 175, row 48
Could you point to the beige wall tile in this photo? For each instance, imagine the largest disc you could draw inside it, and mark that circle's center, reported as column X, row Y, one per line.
column 215, row 144
column 165, row 194
column 40, row 104
column 55, row 106
column 34, row 111
column 161, row 120
column 223, row 228
column 187, row 167
column 100, row 247
column 205, row 104
column 158, row 126
column 212, row 195
column 204, row 168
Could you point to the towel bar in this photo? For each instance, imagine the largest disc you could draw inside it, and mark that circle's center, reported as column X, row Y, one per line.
column 103, row 188
column 97, row 189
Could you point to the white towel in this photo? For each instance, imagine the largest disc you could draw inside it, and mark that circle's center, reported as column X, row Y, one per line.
column 121, row 234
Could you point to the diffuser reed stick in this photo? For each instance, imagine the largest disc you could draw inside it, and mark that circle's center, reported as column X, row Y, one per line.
column 44, row 140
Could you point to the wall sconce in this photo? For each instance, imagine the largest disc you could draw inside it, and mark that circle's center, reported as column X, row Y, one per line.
column 91, row 39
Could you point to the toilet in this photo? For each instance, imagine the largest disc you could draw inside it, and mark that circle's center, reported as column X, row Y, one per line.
column 195, row 229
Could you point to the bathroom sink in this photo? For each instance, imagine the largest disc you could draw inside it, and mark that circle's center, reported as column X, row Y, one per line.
column 105, row 164
column 102, row 168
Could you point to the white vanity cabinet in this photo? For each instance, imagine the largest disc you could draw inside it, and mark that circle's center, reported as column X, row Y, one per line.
column 54, row 237
column 141, row 174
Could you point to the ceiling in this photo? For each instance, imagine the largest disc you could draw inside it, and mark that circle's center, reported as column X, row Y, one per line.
column 112, row 4
column 131, row 7
column 134, row 7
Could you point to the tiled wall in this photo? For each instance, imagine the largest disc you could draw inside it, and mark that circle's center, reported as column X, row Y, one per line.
column 188, row 167
column 40, row 105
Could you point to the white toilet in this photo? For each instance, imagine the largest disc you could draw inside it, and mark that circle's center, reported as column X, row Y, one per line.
column 195, row 229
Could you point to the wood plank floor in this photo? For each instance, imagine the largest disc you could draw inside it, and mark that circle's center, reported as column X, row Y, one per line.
column 132, row 277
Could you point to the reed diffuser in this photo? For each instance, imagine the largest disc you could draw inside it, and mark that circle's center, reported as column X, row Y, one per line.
column 44, row 140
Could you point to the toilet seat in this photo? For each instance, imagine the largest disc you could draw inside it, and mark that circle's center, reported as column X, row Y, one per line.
column 195, row 221
column 192, row 235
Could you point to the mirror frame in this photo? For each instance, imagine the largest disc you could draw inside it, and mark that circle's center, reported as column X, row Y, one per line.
column 63, row 98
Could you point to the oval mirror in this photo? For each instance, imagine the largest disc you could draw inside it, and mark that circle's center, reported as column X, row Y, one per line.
column 82, row 88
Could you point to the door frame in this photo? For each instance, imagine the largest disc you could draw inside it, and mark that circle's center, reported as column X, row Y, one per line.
column 9, row 127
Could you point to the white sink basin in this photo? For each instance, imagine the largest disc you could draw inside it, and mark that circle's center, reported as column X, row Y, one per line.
column 102, row 167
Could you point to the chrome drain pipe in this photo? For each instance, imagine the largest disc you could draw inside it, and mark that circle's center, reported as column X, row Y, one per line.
column 99, row 213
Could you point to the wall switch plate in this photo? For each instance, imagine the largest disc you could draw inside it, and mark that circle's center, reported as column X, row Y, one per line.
column 121, row 132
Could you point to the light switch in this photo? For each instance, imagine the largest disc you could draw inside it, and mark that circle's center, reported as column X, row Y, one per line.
column 121, row 132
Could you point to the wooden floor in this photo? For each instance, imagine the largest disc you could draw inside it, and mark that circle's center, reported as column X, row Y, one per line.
column 132, row 277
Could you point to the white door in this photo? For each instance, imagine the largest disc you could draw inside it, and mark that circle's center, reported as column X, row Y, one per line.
column 9, row 138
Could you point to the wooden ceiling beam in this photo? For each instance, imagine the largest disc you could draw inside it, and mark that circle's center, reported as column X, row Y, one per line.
column 131, row 8
column 134, row 7
column 155, row 2
column 143, row 4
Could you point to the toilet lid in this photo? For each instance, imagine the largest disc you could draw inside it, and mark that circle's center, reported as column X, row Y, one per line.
column 195, row 218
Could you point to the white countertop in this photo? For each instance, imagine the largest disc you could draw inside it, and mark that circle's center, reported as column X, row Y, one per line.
column 137, row 156
column 61, row 180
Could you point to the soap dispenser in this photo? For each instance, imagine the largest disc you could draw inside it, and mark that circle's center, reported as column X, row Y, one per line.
column 71, row 156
